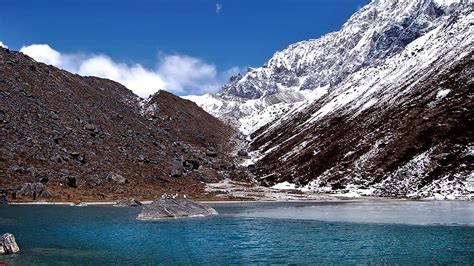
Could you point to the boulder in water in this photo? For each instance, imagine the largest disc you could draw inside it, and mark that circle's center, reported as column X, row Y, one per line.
column 169, row 208
column 8, row 244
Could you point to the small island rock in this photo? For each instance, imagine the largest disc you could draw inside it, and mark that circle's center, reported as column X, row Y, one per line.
column 169, row 208
column 8, row 244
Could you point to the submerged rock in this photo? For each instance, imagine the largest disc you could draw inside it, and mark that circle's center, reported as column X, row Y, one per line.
column 174, row 208
column 8, row 244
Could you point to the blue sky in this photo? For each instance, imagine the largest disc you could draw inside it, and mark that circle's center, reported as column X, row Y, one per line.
column 148, row 33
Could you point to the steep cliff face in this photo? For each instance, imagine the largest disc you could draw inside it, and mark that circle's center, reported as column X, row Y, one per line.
column 382, row 107
column 90, row 138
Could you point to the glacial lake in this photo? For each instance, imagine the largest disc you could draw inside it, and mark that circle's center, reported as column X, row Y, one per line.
column 374, row 232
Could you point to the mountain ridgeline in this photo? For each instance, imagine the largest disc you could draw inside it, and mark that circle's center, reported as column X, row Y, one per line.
column 382, row 107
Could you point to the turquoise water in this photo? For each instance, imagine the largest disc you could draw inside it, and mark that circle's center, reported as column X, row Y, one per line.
column 277, row 233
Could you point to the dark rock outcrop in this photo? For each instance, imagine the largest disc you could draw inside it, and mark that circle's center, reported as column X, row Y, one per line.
column 34, row 190
column 69, row 181
column 169, row 208
column 3, row 197
column 242, row 153
column 193, row 164
column 211, row 153
column 176, row 173
column 128, row 203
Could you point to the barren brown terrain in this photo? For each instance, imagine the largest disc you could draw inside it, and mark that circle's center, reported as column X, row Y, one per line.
column 68, row 137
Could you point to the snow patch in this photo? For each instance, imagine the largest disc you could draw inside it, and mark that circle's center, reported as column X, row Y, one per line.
column 445, row 2
column 284, row 185
column 442, row 94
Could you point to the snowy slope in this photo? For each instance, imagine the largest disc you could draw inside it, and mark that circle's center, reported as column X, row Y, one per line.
column 304, row 71
column 398, row 127
column 380, row 108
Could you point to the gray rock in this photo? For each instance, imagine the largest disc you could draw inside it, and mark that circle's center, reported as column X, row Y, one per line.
column 30, row 189
column 78, row 157
column 2, row 116
column 174, row 208
column 69, row 181
column 252, row 168
column 8, row 244
column 94, row 130
column 46, row 194
column 117, row 178
column 211, row 153
column 34, row 190
column 41, row 176
column 176, row 173
column 128, row 203
column 242, row 153
column 194, row 164
column 3, row 197
column 57, row 158
column 204, row 178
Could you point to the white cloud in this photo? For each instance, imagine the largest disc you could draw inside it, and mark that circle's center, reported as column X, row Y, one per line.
column 219, row 8
column 141, row 81
column 179, row 74
column 3, row 45
column 43, row 53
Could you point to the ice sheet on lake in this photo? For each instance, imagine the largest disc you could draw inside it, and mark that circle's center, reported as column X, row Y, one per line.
column 391, row 212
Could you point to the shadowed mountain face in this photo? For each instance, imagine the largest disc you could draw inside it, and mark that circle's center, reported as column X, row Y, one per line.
column 416, row 145
column 91, row 138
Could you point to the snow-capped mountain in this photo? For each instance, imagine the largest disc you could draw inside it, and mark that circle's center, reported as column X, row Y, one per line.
column 382, row 107
column 306, row 70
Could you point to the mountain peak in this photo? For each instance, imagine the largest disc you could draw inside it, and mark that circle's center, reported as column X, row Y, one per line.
column 307, row 70
column 377, row 30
